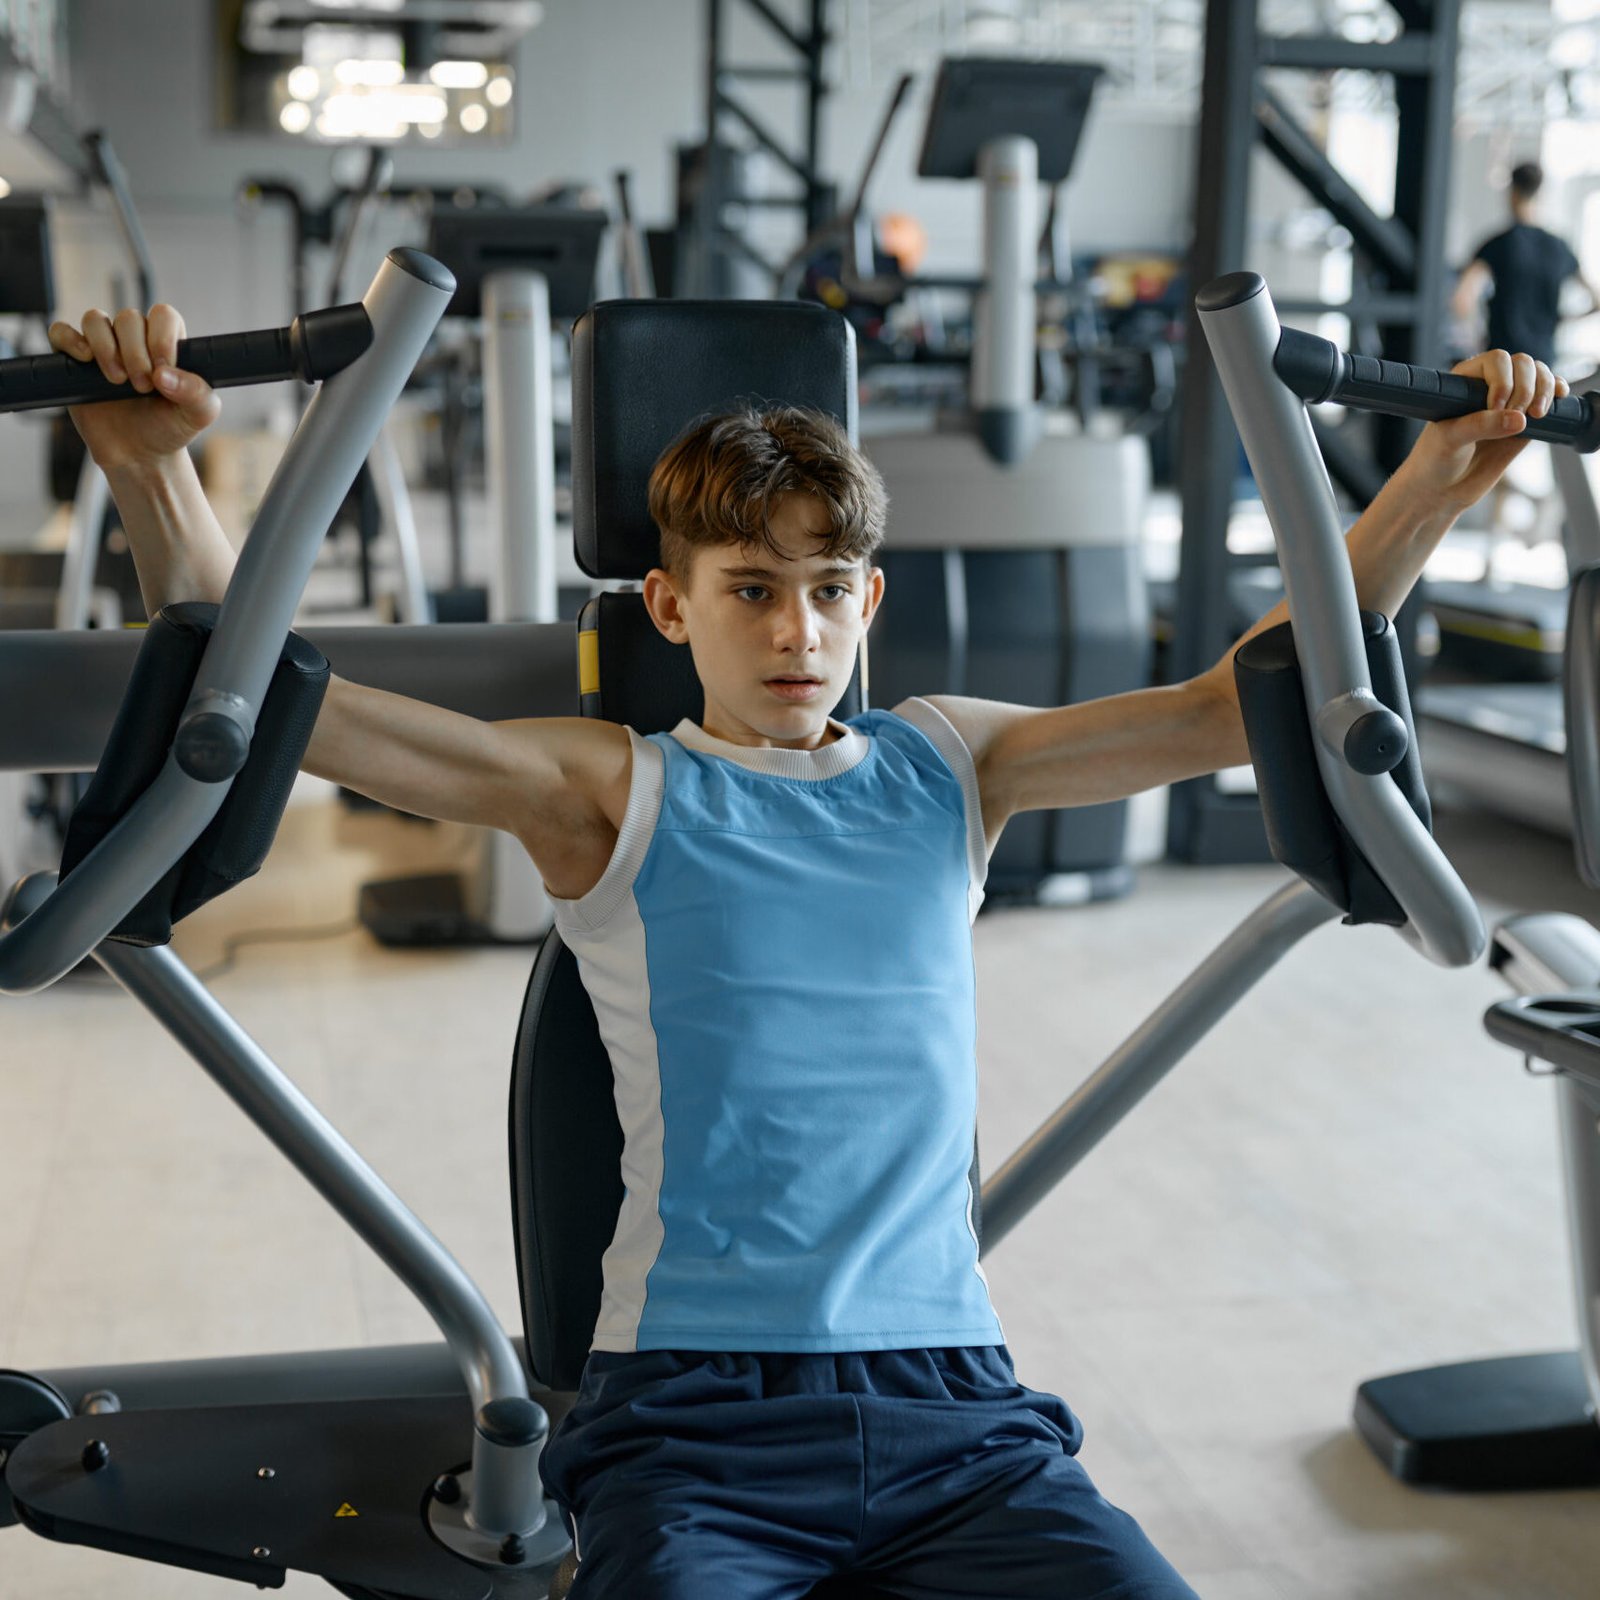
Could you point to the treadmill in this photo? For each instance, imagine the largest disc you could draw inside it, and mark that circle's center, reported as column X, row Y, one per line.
column 1505, row 744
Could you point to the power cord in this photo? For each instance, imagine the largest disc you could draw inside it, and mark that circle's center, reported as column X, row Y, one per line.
column 232, row 947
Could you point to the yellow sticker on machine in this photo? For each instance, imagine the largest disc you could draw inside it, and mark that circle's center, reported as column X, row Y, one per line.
column 589, row 661
column 347, row 1510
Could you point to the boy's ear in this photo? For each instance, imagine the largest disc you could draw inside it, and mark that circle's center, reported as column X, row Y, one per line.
column 874, row 593
column 662, row 601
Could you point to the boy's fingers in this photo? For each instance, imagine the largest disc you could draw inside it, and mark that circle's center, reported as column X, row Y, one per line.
column 1524, row 380
column 133, row 349
column 1544, row 391
column 162, row 333
column 1494, row 367
column 65, row 338
column 103, row 345
column 189, row 392
column 1477, row 427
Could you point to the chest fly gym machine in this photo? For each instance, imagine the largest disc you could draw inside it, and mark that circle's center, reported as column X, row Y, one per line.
column 231, row 1467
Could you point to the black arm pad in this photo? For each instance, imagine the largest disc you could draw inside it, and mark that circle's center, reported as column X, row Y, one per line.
column 1303, row 830
column 237, row 840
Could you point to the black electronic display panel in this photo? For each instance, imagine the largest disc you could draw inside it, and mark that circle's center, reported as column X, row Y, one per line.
column 559, row 242
column 27, row 281
column 977, row 99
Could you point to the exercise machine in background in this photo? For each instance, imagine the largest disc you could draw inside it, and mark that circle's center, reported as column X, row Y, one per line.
column 1014, row 550
column 1504, row 743
column 1529, row 1421
column 80, row 584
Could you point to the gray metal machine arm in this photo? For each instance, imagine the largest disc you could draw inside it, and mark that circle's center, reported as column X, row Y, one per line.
column 1242, row 328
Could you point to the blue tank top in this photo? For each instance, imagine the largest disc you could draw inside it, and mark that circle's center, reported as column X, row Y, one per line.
column 780, row 960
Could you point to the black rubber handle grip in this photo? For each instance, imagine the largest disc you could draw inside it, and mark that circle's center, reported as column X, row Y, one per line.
column 1318, row 370
column 313, row 346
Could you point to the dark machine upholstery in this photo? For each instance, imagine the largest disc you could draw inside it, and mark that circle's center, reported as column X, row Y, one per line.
column 642, row 372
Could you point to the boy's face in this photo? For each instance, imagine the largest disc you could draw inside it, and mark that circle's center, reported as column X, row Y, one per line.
column 774, row 640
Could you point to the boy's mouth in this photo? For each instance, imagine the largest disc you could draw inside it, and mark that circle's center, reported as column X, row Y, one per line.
column 797, row 687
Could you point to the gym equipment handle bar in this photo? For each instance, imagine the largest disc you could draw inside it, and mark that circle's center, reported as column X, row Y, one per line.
column 1317, row 370
column 1242, row 329
column 399, row 314
column 314, row 346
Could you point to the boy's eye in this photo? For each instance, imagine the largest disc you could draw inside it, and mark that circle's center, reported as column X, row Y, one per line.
column 834, row 591
column 750, row 589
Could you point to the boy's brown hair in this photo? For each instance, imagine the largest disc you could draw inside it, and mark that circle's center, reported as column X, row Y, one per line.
column 717, row 482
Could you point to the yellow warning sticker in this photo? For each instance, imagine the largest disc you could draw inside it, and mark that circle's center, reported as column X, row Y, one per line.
column 347, row 1510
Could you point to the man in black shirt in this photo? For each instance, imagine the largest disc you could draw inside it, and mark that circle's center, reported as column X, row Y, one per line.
column 1527, row 266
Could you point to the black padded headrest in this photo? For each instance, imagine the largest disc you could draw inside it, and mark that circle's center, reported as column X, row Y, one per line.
column 643, row 370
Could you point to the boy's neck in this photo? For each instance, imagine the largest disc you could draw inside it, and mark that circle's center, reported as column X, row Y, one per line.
column 731, row 731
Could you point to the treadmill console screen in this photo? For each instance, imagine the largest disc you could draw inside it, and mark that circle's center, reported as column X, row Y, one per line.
column 977, row 99
column 559, row 242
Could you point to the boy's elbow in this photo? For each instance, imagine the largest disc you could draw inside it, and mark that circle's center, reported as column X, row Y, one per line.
column 1215, row 714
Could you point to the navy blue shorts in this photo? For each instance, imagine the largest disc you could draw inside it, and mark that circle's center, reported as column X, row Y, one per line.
column 932, row 1473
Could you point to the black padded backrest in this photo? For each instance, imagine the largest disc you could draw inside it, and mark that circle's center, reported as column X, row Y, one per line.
column 643, row 370
column 566, row 1160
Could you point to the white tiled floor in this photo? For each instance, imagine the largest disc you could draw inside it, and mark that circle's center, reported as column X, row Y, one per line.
column 1348, row 1178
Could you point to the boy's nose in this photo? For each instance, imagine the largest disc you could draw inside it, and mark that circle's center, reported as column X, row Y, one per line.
column 796, row 625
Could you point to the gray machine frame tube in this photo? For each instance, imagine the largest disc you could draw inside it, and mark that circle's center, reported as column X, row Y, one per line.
column 165, row 987
column 1571, row 470
column 396, row 511
column 334, row 436
column 1005, row 315
column 76, row 682
column 519, row 447
column 1149, row 1053
column 1442, row 918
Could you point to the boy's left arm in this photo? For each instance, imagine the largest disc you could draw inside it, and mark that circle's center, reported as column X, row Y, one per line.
column 1107, row 749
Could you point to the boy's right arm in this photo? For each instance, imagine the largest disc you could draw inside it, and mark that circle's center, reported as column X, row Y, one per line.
column 560, row 784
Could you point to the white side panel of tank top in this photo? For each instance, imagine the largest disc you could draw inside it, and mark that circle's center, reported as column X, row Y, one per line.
column 616, row 974
column 605, row 933
column 929, row 719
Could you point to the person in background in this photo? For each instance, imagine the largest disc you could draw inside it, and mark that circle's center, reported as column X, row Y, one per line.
column 1522, row 269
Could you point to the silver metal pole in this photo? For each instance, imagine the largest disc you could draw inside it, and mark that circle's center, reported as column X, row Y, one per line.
column 1147, row 1055
column 1005, row 317
column 519, row 443
column 395, row 509
column 1572, row 474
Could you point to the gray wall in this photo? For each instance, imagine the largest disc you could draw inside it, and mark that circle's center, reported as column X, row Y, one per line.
column 600, row 85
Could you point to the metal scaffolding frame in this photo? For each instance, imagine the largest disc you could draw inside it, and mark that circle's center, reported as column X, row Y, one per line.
column 1397, row 309
column 724, row 199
